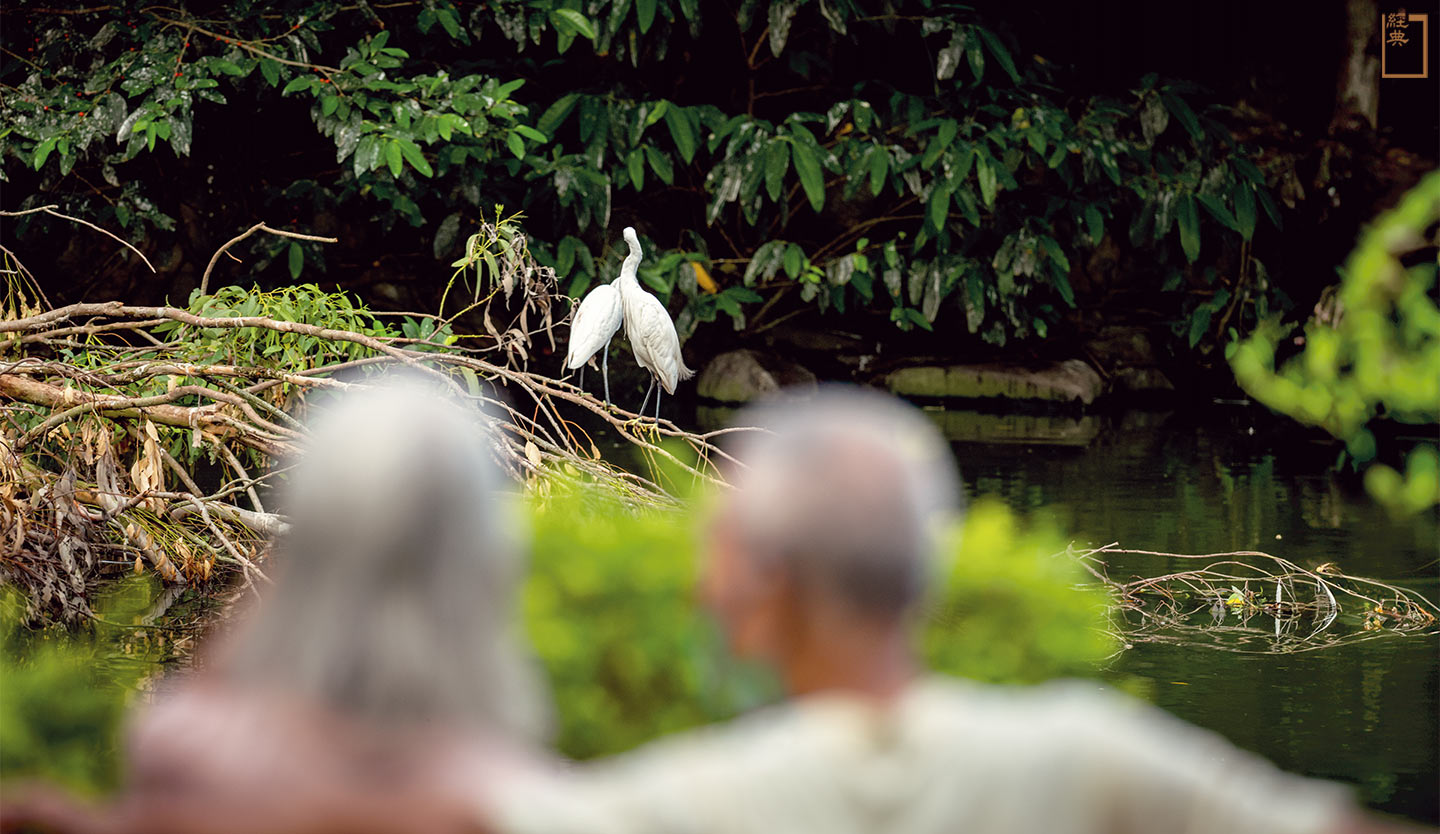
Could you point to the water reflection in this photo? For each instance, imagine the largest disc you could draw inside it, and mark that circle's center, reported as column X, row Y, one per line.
column 1363, row 713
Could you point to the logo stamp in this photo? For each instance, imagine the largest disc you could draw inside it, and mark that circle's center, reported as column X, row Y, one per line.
column 1404, row 45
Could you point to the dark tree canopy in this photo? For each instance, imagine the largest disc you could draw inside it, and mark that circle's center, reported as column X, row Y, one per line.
column 1015, row 173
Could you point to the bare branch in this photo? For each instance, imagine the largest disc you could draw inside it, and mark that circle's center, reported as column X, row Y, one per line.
column 258, row 227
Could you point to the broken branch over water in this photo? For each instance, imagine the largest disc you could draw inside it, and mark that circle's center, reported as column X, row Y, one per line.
column 144, row 438
column 1252, row 602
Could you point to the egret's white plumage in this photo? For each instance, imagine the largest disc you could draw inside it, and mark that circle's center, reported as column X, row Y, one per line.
column 649, row 328
column 594, row 325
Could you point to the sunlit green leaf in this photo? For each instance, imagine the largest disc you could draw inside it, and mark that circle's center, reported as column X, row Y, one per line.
column 1189, row 222
column 574, row 21
column 297, row 260
column 394, row 157
column 812, row 180
column 777, row 162
column 645, row 16
column 1245, row 210
column 678, row 120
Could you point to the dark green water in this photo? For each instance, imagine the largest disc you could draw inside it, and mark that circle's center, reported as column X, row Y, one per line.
column 1361, row 713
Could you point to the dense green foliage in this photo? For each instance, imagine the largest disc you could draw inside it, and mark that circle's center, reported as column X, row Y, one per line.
column 65, row 692
column 609, row 609
column 901, row 161
column 1380, row 360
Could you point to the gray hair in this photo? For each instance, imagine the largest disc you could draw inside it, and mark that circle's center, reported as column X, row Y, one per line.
column 396, row 579
column 845, row 492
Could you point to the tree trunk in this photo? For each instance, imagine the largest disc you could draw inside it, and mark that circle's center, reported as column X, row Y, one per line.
column 1357, row 94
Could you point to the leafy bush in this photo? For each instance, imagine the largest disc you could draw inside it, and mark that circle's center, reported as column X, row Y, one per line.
column 966, row 190
column 1380, row 361
column 610, row 610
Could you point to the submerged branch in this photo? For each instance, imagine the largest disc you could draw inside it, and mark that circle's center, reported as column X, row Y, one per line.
column 1249, row 601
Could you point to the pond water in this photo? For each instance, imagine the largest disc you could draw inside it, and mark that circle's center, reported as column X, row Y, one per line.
column 1364, row 713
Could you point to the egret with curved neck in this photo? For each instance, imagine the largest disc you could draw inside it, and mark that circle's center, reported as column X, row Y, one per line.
column 649, row 328
column 594, row 326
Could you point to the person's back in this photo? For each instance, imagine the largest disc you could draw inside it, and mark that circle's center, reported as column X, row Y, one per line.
column 942, row 756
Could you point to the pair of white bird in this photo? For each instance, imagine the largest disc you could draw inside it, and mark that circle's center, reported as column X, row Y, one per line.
column 647, row 325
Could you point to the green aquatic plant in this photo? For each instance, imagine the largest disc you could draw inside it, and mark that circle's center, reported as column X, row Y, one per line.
column 1379, row 361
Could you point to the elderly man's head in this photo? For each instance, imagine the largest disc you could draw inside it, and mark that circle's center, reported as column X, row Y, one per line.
column 835, row 507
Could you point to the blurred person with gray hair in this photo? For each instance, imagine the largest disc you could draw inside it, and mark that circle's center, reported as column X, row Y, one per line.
column 378, row 678
column 816, row 565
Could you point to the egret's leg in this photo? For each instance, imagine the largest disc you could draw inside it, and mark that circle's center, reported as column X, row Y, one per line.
column 647, row 396
column 657, row 405
column 581, row 382
column 605, row 372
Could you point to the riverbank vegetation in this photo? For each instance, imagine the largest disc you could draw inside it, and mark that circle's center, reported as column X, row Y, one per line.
column 920, row 169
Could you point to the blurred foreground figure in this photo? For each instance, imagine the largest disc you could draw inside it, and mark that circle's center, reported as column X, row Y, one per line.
column 816, row 564
column 376, row 683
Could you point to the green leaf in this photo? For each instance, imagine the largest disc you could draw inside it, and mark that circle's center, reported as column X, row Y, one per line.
column 1246, row 211
column 42, row 153
column 879, row 167
column 976, row 57
column 227, row 67
column 531, row 133
column 1095, row 223
column 660, row 164
column 516, row 145
column 415, row 157
column 297, row 260
column 451, row 23
column 394, row 156
column 943, row 137
column 556, row 114
column 270, row 68
column 1189, row 222
column 577, row 22
column 939, row 206
column 367, row 154
column 1248, row 170
column 1217, row 210
column 794, row 261
column 300, row 83
column 1001, row 54
column 985, row 173
column 777, row 162
column 504, row 90
column 811, row 178
column 1180, row 110
column 1062, row 286
column 678, row 120
column 328, row 105
column 1271, row 210
column 635, row 161
column 645, row 15
column 1052, row 249
column 1199, row 324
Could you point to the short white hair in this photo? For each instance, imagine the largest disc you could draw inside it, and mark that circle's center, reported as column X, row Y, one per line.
column 396, row 582
column 846, row 492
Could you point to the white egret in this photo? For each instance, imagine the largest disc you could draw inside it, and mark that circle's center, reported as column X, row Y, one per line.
column 649, row 328
column 592, row 329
